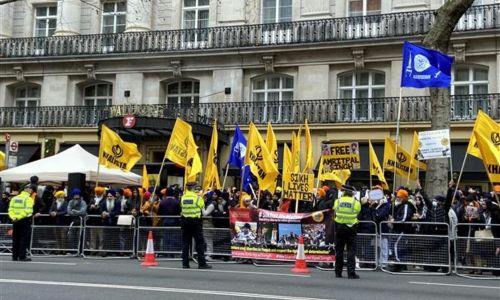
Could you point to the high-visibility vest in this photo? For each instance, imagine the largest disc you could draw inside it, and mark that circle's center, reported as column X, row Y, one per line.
column 191, row 205
column 347, row 210
column 21, row 206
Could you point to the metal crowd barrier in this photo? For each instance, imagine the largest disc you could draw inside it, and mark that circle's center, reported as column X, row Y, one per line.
column 5, row 235
column 367, row 246
column 167, row 235
column 427, row 251
column 477, row 252
column 217, row 236
column 101, row 236
column 56, row 235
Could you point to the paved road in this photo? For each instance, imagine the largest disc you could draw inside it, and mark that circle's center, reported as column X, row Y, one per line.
column 71, row 278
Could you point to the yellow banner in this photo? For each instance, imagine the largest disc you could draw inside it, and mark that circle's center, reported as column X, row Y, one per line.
column 177, row 149
column 402, row 165
column 490, row 155
column 342, row 156
column 325, row 173
column 489, row 129
column 260, row 160
column 271, row 143
column 211, row 179
column 287, row 162
column 145, row 178
column 375, row 169
column 309, row 150
column 115, row 153
column 299, row 186
column 295, row 152
column 193, row 165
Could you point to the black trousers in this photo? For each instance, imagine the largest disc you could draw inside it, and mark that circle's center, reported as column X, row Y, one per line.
column 192, row 228
column 345, row 236
column 20, row 238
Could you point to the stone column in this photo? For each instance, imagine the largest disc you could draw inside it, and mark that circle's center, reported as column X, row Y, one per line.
column 139, row 15
column 68, row 17
column 6, row 20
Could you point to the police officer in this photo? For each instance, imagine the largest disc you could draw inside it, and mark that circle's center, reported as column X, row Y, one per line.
column 192, row 206
column 346, row 210
column 20, row 211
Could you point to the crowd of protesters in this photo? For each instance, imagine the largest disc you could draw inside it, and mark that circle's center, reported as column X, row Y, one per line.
column 101, row 206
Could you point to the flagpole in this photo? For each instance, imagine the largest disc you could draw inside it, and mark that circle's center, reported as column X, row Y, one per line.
column 159, row 175
column 460, row 174
column 225, row 176
column 99, row 161
column 296, row 206
column 370, row 162
column 397, row 141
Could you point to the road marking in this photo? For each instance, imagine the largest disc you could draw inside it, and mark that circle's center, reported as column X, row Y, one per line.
column 39, row 263
column 157, row 289
column 456, row 285
column 230, row 271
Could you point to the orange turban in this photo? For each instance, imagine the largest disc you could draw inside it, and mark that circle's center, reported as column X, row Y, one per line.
column 127, row 193
column 321, row 192
column 402, row 194
column 99, row 190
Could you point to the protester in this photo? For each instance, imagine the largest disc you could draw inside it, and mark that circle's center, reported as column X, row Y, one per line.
column 77, row 210
column 110, row 210
column 57, row 212
column 403, row 213
column 4, row 207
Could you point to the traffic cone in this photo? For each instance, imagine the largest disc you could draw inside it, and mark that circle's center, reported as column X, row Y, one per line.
column 149, row 258
column 300, row 261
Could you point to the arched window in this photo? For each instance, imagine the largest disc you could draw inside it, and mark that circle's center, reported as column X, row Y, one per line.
column 272, row 88
column 467, row 82
column 361, row 95
column 99, row 94
column 27, row 96
column 183, row 92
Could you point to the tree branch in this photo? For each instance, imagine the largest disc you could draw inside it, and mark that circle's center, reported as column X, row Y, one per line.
column 7, row 1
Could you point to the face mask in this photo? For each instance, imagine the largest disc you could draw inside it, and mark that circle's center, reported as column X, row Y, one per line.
column 398, row 202
column 434, row 204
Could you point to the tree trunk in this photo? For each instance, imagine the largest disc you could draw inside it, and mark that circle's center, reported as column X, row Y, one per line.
column 438, row 38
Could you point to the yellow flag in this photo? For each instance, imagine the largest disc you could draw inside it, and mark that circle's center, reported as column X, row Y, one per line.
column 115, row 153
column 402, row 165
column 271, row 143
column 309, row 150
column 375, row 169
column 338, row 176
column 2, row 161
column 260, row 160
column 487, row 127
column 211, row 179
column 490, row 155
column 414, row 153
column 193, row 164
column 145, row 178
column 295, row 152
column 287, row 162
column 177, row 149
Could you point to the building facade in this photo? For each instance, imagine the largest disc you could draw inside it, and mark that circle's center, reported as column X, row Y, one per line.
column 67, row 65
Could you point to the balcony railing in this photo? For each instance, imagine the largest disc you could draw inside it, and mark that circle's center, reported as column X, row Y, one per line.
column 376, row 110
column 485, row 17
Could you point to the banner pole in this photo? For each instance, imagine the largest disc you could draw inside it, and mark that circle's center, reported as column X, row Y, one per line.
column 460, row 174
column 296, row 206
column 397, row 142
column 158, row 178
column 225, row 176
column 241, row 185
column 98, row 162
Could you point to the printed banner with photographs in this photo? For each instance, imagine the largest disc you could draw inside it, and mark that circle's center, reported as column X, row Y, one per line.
column 342, row 156
column 270, row 235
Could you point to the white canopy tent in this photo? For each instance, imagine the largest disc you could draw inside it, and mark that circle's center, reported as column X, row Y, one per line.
column 73, row 160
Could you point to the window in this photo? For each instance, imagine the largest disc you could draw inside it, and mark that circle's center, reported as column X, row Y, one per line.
column 469, row 81
column 114, row 15
column 27, row 96
column 275, row 89
column 98, row 94
column 361, row 94
column 275, row 11
column 184, row 92
column 357, row 8
column 195, row 14
column 45, row 20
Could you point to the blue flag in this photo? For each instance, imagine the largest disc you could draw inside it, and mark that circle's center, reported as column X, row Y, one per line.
column 247, row 179
column 423, row 67
column 238, row 149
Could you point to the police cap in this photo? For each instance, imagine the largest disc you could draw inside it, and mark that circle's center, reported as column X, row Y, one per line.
column 348, row 188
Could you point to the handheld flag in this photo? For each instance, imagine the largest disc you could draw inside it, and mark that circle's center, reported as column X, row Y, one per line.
column 375, row 169
column 145, row 178
column 309, row 150
column 490, row 155
column 271, row 143
column 424, row 67
column 287, row 162
column 260, row 160
column 295, row 152
column 487, row 127
column 414, row 153
column 238, row 149
column 211, row 179
column 193, row 163
column 115, row 153
column 402, row 164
